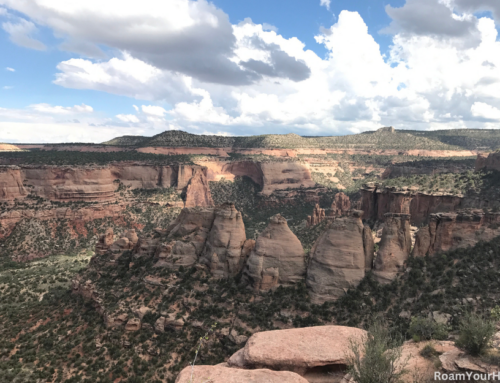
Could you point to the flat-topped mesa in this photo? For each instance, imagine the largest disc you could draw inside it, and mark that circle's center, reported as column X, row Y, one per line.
column 223, row 252
column 449, row 231
column 198, row 190
column 278, row 257
column 377, row 200
column 395, row 247
column 185, row 238
column 105, row 242
column 317, row 216
column 339, row 258
column 341, row 205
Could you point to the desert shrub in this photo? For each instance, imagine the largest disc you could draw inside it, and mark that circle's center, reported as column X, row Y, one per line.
column 429, row 351
column 427, row 329
column 378, row 358
column 475, row 333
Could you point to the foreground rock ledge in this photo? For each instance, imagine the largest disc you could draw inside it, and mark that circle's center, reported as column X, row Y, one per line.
column 219, row 374
column 298, row 350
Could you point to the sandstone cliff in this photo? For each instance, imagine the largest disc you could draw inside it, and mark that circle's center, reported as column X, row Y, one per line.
column 11, row 183
column 278, row 257
column 339, row 258
column 449, row 231
column 489, row 161
column 223, row 252
column 394, row 247
column 317, row 216
column 198, row 191
column 284, row 175
column 341, row 205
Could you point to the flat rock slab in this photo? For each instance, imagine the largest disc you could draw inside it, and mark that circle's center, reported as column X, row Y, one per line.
column 220, row 374
column 301, row 348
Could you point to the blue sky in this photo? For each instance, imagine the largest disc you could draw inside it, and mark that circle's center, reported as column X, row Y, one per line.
column 90, row 70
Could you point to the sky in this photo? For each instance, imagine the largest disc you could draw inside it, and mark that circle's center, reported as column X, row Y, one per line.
column 91, row 70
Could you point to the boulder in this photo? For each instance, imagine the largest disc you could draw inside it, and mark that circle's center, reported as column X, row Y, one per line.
column 105, row 242
column 339, row 258
column 341, row 205
column 221, row 374
column 301, row 350
column 198, row 190
column 395, row 247
column 223, row 253
column 278, row 257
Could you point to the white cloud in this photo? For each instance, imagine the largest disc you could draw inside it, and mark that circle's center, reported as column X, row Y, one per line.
column 127, row 118
column 20, row 34
column 7, row 87
column 10, row 69
column 58, row 110
column 325, row 3
column 480, row 109
column 152, row 110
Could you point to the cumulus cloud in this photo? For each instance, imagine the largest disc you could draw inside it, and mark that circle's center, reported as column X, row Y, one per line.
column 325, row 3
column 480, row 109
column 20, row 33
column 193, row 38
column 127, row 118
column 479, row 5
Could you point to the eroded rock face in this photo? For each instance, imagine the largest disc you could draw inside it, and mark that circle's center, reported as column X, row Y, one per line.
column 317, row 216
column 220, row 374
column 489, row 161
column 185, row 238
column 395, row 247
column 127, row 242
column 341, row 205
column 105, row 242
column 339, row 258
column 284, row 175
column 299, row 350
column 278, row 257
column 223, row 252
column 198, row 191
column 449, row 231
column 11, row 183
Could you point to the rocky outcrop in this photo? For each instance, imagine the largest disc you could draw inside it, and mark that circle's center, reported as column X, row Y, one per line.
column 223, row 253
column 105, row 242
column 341, row 205
column 317, row 216
column 11, row 183
column 339, row 258
column 376, row 201
column 305, row 351
column 449, row 231
column 284, row 175
column 278, row 257
column 185, row 238
column 221, row 374
column 489, row 161
column 198, row 191
column 127, row 242
column 395, row 247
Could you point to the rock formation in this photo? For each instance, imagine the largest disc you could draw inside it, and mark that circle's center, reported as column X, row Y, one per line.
column 489, row 161
column 221, row 374
column 449, row 231
column 301, row 350
column 317, row 216
column 11, row 183
column 223, row 250
column 198, row 191
column 339, row 258
column 341, row 205
column 105, row 242
column 284, row 175
column 395, row 247
column 126, row 242
column 278, row 257
column 185, row 238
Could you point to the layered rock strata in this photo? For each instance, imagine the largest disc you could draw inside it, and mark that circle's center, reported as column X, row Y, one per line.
column 394, row 249
column 11, row 183
column 278, row 257
column 339, row 258
column 449, row 231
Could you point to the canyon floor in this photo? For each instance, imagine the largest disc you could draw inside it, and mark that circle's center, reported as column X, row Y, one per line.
column 116, row 258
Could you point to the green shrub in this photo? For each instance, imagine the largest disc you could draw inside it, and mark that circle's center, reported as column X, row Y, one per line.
column 377, row 358
column 475, row 333
column 427, row 329
column 429, row 351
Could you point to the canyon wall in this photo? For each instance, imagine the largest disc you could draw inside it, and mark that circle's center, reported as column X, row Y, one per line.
column 449, row 231
column 489, row 161
column 11, row 183
column 376, row 201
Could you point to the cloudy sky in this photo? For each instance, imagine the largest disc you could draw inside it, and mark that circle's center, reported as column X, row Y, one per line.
column 90, row 70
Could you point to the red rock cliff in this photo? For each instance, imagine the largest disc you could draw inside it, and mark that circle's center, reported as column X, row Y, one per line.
column 11, row 183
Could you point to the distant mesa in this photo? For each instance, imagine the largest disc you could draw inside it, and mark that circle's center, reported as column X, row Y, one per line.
column 9, row 148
